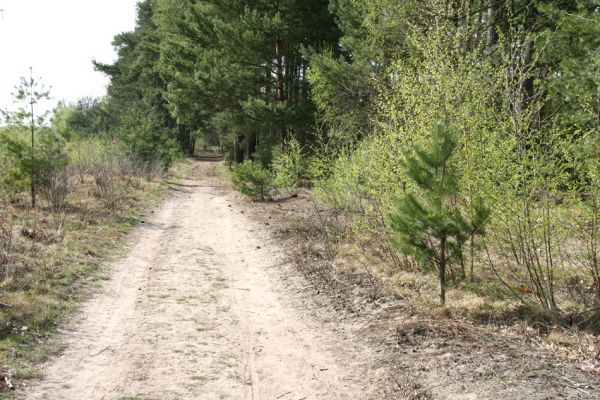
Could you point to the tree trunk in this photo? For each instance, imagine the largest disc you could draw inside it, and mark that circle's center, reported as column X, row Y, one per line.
column 250, row 146
column 305, row 82
column 442, row 271
column 192, row 144
column 492, row 31
column 32, row 160
column 33, row 171
column 238, row 153
column 472, row 258
column 184, row 138
column 280, row 84
column 528, row 83
column 279, row 58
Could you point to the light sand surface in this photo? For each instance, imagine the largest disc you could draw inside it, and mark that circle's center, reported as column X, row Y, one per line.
column 196, row 310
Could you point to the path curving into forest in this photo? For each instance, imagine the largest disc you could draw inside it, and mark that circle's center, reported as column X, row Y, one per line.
column 197, row 310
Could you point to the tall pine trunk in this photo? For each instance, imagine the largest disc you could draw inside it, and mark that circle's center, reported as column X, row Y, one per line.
column 492, row 31
column 250, row 146
column 280, row 84
column 442, row 271
column 238, row 152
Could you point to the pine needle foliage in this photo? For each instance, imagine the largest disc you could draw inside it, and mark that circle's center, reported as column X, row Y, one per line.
column 431, row 221
column 253, row 180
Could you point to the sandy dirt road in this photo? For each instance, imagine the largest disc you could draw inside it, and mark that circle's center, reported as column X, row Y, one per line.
column 196, row 311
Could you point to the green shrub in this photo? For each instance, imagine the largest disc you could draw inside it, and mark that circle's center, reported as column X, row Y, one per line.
column 253, row 180
column 15, row 153
column 289, row 167
column 50, row 155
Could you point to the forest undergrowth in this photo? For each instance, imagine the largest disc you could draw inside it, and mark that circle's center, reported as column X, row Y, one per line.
column 398, row 315
column 464, row 177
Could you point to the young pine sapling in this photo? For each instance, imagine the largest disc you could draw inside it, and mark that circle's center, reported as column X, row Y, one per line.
column 29, row 94
column 432, row 222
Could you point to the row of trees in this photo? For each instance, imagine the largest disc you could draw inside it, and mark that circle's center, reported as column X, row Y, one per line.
column 232, row 72
column 252, row 73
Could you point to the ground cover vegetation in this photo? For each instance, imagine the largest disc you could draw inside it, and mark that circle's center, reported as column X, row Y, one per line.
column 351, row 96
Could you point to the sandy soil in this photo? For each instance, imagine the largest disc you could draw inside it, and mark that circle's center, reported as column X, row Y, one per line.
column 199, row 310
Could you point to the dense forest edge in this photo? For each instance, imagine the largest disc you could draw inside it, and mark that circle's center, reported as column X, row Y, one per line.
column 454, row 139
column 451, row 148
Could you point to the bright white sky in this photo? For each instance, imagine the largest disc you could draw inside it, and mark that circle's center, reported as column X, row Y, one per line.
column 59, row 39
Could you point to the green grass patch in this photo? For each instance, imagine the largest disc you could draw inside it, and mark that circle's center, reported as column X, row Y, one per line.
column 26, row 373
column 200, row 379
column 219, row 285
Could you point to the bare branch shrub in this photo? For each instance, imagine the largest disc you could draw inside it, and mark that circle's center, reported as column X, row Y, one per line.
column 132, row 170
column 153, row 168
column 332, row 228
column 6, row 247
column 107, row 179
column 57, row 186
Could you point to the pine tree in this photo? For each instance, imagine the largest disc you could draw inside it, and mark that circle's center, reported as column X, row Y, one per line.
column 29, row 94
column 237, row 68
column 137, row 94
column 430, row 222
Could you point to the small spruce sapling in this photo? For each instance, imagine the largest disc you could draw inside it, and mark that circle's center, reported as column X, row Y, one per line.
column 253, row 180
column 430, row 221
column 28, row 95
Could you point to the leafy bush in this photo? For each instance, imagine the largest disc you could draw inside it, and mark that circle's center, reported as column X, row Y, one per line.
column 143, row 136
column 539, row 178
column 253, row 180
column 289, row 167
column 15, row 157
